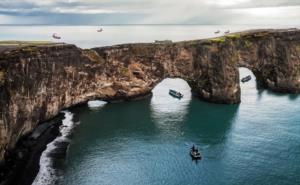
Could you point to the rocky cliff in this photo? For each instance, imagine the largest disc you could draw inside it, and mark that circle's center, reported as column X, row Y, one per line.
column 37, row 81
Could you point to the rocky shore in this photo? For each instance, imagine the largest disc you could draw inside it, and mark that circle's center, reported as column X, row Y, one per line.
column 21, row 164
column 37, row 81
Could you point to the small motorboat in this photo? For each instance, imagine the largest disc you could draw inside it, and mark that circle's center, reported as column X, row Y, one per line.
column 175, row 94
column 55, row 36
column 246, row 79
column 100, row 30
column 226, row 32
column 195, row 154
column 218, row 31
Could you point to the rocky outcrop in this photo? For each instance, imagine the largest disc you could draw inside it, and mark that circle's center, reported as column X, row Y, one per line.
column 274, row 58
column 36, row 82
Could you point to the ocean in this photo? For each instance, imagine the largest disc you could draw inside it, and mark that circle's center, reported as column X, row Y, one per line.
column 88, row 37
column 148, row 141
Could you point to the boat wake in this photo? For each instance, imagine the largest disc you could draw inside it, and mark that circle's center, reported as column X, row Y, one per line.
column 50, row 172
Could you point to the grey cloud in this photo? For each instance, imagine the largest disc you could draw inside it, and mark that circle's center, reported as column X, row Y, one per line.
column 149, row 11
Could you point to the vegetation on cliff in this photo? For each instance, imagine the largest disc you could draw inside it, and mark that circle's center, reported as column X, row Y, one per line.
column 43, row 79
column 24, row 43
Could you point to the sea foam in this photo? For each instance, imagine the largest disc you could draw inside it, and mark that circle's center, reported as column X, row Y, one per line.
column 96, row 104
column 49, row 174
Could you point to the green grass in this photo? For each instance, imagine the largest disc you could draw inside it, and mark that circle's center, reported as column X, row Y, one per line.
column 22, row 43
column 233, row 36
column 218, row 39
column 223, row 38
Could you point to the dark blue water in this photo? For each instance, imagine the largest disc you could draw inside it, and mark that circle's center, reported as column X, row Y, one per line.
column 147, row 142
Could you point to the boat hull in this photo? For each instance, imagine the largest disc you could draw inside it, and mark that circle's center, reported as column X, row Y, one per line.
column 175, row 94
column 246, row 79
column 195, row 156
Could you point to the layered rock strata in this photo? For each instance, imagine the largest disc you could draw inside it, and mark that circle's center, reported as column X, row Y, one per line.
column 37, row 81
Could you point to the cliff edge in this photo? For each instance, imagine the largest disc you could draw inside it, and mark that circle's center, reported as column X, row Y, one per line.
column 39, row 80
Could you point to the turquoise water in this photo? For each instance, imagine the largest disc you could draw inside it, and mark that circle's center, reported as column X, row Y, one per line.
column 147, row 142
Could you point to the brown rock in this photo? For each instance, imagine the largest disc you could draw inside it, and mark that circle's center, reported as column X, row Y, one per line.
column 36, row 82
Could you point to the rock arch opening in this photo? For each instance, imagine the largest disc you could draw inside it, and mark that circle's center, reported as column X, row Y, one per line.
column 127, row 71
column 167, row 111
column 250, row 88
column 162, row 102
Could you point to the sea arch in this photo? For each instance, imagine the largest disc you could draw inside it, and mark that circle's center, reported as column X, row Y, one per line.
column 210, row 66
column 38, row 81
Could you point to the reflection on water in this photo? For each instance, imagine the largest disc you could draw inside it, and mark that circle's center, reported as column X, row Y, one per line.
column 250, row 88
column 168, row 112
column 147, row 142
column 215, row 122
column 96, row 104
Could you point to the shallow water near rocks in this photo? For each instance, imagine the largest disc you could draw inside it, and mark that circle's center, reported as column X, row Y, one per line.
column 147, row 142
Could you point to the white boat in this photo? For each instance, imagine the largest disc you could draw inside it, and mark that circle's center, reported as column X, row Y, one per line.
column 100, row 30
column 175, row 94
column 246, row 79
column 55, row 36
column 226, row 32
column 195, row 154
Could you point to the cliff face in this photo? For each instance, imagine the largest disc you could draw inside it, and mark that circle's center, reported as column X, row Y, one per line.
column 207, row 66
column 274, row 58
column 36, row 82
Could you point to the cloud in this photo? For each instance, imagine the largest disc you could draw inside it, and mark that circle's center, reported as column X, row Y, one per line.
column 227, row 3
column 150, row 11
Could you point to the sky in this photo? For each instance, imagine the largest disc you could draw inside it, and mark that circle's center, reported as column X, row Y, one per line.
column 94, row 12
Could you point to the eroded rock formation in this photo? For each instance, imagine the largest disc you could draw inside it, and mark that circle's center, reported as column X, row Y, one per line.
column 36, row 82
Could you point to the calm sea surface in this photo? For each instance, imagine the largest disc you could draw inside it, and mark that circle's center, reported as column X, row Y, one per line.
column 147, row 142
column 87, row 36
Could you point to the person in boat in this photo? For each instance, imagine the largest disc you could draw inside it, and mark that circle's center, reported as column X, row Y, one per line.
column 193, row 148
column 195, row 153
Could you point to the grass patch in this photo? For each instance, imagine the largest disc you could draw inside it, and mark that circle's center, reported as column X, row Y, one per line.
column 233, row 36
column 23, row 43
column 32, row 50
column 218, row 39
